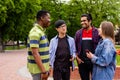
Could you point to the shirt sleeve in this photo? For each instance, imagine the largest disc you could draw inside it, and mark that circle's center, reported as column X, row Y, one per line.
column 34, row 39
column 106, row 55
column 51, row 52
column 73, row 49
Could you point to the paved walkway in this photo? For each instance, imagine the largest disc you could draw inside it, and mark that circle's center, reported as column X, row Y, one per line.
column 13, row 66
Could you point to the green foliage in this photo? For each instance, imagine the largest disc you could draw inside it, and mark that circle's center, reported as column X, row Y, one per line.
column 71, row 12
column 17, row 17
column 100, row 9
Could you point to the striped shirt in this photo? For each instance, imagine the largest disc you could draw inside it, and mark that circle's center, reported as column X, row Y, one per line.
column 38, row 39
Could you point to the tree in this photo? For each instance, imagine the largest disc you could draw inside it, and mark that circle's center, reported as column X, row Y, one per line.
column 55, row 7
column 17, row 17
column 100, row 9
column 71, row 12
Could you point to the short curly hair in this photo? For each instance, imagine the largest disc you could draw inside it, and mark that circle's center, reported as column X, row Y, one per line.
column 41, row 13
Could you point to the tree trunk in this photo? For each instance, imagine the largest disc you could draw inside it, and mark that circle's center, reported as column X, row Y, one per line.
column 1, row 44
column 18, row 45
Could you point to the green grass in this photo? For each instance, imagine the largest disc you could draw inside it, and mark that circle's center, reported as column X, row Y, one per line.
column 117, row 46
column 118, row 56
column 118, row 60
column 14, row 47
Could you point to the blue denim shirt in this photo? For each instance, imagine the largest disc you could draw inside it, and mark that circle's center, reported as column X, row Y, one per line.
column 53, row 48
column 104, row 61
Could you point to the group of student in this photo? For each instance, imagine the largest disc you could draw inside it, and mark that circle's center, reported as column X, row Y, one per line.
column 93, row 49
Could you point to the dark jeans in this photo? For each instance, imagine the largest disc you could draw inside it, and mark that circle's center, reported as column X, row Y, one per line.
column 85, row 69
column 61, row 74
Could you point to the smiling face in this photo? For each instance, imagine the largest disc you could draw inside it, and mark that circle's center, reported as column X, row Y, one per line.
column 46, row 20
column 62, row 29
column 85, row 23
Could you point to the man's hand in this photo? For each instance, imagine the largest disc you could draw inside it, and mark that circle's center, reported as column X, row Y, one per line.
column 79, row 60
column 72, row 58
column 51, row 72
column 45, row 75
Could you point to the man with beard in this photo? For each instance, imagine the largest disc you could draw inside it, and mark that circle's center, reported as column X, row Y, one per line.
column 86, row 39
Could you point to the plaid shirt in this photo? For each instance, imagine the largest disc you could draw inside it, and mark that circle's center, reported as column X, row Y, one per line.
column 78, row 39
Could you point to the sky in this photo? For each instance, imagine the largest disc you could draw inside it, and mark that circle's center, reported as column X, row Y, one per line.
column 65, row 0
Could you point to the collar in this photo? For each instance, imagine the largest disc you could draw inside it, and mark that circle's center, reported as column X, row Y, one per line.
column 40, row 27
column 65, row 36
